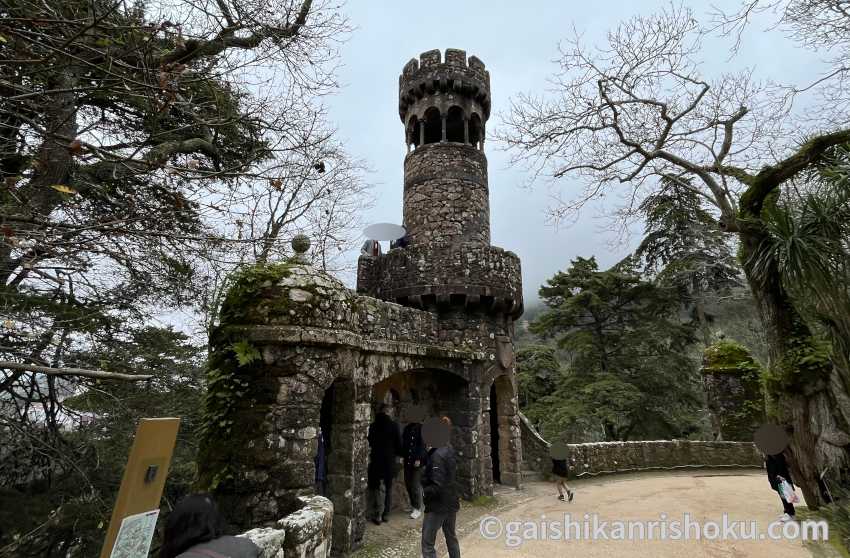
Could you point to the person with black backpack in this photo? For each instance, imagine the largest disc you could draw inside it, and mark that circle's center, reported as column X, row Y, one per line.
column 196, row 529
column 439, row 484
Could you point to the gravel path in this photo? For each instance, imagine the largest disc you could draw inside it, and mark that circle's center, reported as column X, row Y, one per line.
column 743, row 495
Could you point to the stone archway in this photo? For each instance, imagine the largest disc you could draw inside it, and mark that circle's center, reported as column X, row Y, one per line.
column 439, row 392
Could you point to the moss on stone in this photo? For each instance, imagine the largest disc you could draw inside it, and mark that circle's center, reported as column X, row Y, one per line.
column 248, row 284
column 727, row 356
column 229, row 388
column 232, row 364
column 732, row 360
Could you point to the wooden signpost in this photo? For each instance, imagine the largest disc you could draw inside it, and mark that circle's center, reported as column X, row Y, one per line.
column 144, row 479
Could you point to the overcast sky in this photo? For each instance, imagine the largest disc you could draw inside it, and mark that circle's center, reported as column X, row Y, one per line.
column 517, row 41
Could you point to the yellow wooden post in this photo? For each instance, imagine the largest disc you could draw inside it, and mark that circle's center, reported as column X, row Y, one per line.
column 144, row 476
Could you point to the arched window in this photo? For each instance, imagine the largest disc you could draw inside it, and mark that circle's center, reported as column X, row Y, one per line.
column 475, row 131
column 433, row 126
column 454, row 125
column 413, row 131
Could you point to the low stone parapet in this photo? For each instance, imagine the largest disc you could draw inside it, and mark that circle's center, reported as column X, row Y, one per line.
column 469, row 274
column 620, row 457
column 305, row 533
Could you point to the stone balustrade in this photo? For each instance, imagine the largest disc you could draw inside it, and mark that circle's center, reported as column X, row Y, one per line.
column 619, row 457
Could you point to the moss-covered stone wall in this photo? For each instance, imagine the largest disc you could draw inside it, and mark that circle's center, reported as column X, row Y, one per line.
column 733, row 386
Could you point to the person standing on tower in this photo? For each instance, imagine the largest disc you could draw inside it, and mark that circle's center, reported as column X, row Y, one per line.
column 384, row 446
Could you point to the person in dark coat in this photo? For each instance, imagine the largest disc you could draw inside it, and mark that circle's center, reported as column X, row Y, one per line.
column 777, row 471
column 196, row 529
column 384, row 447
column 415, row 455
column 439, row 484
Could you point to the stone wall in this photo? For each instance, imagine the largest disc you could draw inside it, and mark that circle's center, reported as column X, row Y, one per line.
column 478, row 277
column 620, row 457
column 306, row 533
column 445, row 195
column 290, row 333
column 732, row 384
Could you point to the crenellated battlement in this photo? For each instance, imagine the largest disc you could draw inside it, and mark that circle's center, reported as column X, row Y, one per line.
column 454, row 57
column 432, row 74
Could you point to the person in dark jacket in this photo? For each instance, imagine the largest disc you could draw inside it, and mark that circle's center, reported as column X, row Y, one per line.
column 384, row 447
column 415, row 455
column 439, row 484
column 561, row 472
column 195, row 529
column 777, row 471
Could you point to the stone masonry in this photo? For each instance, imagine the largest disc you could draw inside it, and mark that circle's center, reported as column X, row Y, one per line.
column 430, row 323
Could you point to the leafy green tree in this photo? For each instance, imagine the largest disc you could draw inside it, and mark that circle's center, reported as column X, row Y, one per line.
column 806, row 252
column 538, row 370
column 631, row 371
column 140, row 161
column 70, row 499
column 684, row 248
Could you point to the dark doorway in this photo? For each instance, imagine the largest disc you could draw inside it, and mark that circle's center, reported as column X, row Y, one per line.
column 323, row 452
column 494, row 434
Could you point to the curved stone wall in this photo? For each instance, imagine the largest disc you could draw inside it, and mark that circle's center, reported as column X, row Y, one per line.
column 621, row 457
column 475, row 275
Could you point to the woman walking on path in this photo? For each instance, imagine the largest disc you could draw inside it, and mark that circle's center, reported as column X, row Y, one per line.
column 559, row 454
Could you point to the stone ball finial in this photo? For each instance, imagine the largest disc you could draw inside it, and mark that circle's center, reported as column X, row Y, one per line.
column 300, row 243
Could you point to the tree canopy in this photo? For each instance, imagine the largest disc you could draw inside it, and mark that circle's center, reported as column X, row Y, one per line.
column 630, row 372
column 146, row 150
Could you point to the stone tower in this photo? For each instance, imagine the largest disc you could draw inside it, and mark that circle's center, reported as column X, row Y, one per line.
column 299, row 362
column 444, row 107
column 448, row 266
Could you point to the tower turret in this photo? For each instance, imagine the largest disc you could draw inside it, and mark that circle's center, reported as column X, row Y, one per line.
column 444, row 106
column 448, row 263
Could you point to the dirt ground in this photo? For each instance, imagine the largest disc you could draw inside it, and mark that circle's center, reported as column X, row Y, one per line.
column 705, row 496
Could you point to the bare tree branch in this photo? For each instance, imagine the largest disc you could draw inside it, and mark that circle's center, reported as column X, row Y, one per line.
column 80, row 372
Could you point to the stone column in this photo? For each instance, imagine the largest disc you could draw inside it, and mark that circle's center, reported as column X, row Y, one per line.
column 465, row 440
column 443, row 122
column 510, row 435
column 466, row 130
column 347, row 464
column 421, row 134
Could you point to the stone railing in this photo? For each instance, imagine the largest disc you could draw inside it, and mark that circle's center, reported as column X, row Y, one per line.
column 621, row 457
column 305, row 533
